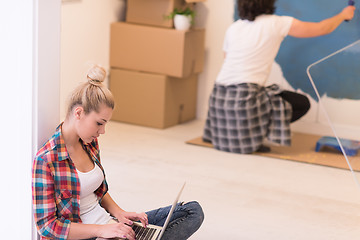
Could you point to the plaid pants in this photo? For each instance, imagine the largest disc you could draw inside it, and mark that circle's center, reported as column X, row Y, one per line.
column 241, row 116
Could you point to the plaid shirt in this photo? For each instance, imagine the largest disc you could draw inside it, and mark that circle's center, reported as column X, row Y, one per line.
column 56, row 187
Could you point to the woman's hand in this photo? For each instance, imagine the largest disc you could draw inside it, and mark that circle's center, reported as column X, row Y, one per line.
column 116, row 230
column 128, row 217
column 348, row 12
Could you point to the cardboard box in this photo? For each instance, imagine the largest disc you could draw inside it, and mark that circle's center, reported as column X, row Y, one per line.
column 153, row 12
column 152, row 100
column 157, row 50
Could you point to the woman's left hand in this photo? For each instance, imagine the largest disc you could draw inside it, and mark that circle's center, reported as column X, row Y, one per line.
column 126, row 216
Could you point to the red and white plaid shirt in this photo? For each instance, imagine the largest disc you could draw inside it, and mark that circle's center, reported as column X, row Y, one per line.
column 56, row 187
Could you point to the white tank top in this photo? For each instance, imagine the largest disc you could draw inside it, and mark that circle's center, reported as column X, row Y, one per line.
column 90, row 210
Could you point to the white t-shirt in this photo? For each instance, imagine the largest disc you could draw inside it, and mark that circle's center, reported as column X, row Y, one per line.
column 90, row 210
column 251, row 48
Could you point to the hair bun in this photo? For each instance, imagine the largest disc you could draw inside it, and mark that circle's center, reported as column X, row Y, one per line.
column 96, row 75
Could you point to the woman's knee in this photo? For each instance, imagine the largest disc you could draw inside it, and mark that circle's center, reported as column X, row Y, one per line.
column 307, row 104
column 300, row 103
column 196, row 213
column 304, row 107
column 297, row 100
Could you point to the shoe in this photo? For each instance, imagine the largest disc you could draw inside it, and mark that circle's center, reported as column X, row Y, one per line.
column 263, row 149
column 206, row 140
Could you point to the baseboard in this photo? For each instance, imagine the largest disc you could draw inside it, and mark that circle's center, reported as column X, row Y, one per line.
column 324, row 129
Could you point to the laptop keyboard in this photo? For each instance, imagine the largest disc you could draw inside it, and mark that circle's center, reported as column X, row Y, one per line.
column 142, row 233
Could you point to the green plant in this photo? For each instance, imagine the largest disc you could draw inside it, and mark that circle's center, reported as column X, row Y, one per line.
column 187, row 12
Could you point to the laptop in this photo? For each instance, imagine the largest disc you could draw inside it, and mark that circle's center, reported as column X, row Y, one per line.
column 153, row 232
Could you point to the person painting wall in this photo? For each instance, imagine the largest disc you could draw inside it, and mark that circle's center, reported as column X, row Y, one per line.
column 243, row 109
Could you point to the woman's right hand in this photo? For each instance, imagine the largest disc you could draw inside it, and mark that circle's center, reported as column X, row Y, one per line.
column 119, row 230
column 348, row 12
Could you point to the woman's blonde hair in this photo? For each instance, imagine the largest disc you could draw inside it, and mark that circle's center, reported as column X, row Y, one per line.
column 93, row 93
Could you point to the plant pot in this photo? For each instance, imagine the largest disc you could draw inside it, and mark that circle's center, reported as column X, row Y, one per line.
column 182, row 22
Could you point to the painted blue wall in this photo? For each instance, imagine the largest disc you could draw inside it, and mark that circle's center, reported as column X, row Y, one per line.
column 338, row 77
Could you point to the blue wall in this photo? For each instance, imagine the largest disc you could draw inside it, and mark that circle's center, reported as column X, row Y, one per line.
column 338, row 77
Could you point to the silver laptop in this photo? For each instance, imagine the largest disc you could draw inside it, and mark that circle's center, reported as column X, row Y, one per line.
column 153, row 232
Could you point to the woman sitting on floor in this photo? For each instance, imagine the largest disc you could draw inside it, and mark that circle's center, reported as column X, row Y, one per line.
column 70, row 192
column 243, row 110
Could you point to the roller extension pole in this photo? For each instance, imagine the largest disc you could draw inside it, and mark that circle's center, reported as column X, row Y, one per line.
column 323, row 108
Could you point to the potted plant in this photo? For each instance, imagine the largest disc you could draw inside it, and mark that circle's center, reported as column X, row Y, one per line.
column 183, row 18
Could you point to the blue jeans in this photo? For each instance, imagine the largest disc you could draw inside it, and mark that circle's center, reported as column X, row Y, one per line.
column 186, row 219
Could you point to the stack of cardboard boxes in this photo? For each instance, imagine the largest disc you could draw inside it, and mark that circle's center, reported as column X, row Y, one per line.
column 154, row 68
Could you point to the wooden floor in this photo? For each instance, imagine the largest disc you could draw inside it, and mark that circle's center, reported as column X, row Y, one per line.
column 248, row 197
column 303, row 150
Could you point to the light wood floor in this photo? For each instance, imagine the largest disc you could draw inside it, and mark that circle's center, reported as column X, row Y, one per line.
column 243, row 196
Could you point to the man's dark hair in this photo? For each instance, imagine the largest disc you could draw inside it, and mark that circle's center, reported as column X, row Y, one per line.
column 250, row 9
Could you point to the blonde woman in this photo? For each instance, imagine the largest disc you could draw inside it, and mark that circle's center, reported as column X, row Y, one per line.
column 70, row 192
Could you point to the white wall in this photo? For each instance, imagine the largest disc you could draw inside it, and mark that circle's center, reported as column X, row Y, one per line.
column 47, row 70
column 29, row 62
column 215, row 16
column 16, row 118
column 85, row 39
